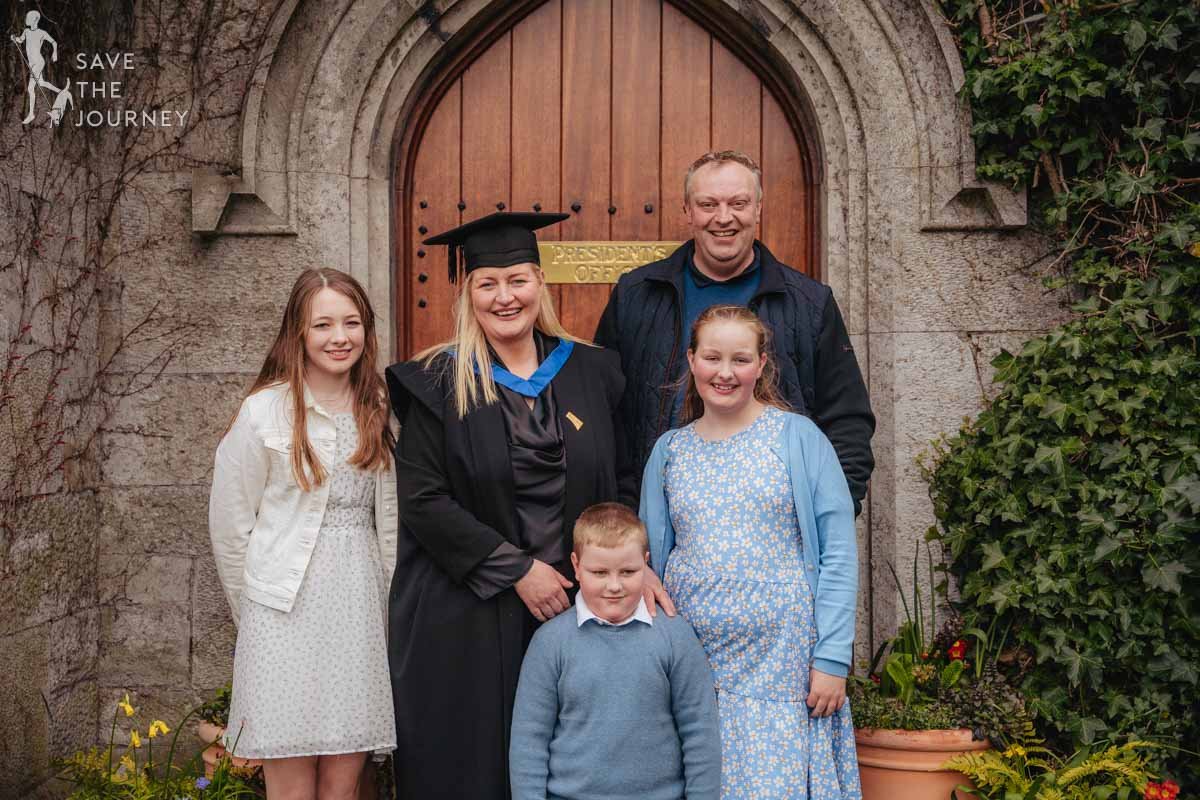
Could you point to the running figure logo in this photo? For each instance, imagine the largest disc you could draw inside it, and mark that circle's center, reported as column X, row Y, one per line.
column 33, row 38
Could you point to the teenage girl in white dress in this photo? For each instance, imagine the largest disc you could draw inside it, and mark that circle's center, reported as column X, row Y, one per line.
column 303, row 526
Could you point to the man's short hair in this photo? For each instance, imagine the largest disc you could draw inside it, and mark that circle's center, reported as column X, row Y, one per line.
column 609, row 525
column 723, row 157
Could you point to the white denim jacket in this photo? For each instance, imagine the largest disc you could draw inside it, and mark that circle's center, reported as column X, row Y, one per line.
column 263, row 526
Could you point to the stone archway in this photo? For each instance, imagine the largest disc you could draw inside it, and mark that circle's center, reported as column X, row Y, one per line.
column 878, row 80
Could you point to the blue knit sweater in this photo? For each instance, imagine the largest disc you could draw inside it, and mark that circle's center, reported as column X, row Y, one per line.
column 607, row 712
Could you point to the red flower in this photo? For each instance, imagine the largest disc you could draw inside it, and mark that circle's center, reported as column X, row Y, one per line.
column 957, row 650
column 1170, row 789
column 1154, row 791
column 874, row 678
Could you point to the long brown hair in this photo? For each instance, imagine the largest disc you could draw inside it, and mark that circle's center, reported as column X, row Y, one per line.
column 766, row 388
column 285, row 364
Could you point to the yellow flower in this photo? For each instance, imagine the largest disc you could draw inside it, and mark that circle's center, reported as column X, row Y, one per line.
column 1015, row 750
column 125, row 706
column 157, row 727
column 1195, row 249
column 134, row 739
column 127, row 763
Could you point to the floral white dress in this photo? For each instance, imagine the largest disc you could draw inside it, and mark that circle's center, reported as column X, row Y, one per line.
column 737, row 575
column 314, row 681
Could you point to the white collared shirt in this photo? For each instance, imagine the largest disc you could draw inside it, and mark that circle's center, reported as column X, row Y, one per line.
column 583, row 613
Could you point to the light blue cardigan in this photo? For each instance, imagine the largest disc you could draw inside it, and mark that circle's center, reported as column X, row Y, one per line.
column 823, row 508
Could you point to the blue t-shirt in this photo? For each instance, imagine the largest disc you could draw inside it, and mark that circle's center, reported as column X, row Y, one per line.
column 700, row 292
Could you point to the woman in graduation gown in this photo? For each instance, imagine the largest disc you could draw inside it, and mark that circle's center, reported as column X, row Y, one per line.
column 507, row 435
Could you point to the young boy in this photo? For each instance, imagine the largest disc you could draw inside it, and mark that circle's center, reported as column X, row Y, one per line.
column 613, row 703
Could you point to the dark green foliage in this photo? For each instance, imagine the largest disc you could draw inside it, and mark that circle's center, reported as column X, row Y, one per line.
column 873, row 710
column 1091, row 100
column 991, row 708
column 1070, row 507
column 216, row 710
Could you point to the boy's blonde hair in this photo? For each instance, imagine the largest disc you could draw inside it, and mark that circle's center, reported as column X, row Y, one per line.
column 609, row 525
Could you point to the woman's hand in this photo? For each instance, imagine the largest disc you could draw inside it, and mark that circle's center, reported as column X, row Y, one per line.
column 541, row 590
column 653, row 591
column 826, row 693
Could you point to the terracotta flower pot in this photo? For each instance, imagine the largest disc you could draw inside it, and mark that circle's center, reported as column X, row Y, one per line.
column 211, row 735
column 907, row 765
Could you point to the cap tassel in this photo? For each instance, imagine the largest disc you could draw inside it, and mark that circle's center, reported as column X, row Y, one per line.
column 453, row 263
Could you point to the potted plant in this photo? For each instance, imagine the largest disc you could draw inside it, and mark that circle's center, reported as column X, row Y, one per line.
column 931, row 694
column 214, row 718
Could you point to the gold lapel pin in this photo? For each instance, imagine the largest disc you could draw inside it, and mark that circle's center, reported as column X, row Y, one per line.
column 574, row 420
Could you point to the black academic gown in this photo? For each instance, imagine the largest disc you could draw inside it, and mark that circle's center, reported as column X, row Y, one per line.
column 455, row 658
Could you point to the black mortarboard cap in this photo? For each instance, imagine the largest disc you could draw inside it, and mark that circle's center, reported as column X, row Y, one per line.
column 497, row 240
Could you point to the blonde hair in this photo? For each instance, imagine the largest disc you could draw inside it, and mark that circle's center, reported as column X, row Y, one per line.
column 766, row 388
column 719, row 157
column 285, row 364
column 472, row 363
column 609, row 525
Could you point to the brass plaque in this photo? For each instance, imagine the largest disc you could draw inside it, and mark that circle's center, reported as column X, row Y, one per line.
column 598, row 262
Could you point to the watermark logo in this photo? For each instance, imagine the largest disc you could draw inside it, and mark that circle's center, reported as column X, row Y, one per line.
column 32, row 41
column 56, row 102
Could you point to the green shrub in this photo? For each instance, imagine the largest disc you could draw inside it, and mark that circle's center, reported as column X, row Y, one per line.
column 1069, row 508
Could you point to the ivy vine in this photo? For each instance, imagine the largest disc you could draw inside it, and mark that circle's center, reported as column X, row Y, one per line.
column 1071, row 506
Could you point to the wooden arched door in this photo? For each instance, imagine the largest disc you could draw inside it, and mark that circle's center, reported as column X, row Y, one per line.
column 599, row 105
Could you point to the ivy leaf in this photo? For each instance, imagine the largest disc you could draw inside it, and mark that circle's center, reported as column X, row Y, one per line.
column 1151, row 131
column 1076, row 144
column 1165, row 576
column 1074, row 663
column 1194, row 77
column 1126, row 407
column 1172, row 279
column 1055, row 410
column 1135, row 37
column 1178, row 669
column 1127, row 186
column 1169, row 37
column 1186, row 487
column 1178, row 231
column 1003, row 596
column 977, row 88
column 993, row 556
column 1050, row 458
column 1106, row 545
column 1190, row 143
column 1113, row 453
column 1088, row 728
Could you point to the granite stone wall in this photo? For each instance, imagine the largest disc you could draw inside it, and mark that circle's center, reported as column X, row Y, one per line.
column 115, row 588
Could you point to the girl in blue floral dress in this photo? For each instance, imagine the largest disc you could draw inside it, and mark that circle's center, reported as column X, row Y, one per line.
column 752, row 530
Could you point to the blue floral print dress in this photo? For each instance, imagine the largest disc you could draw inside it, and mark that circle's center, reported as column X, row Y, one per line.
column 737, row 575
